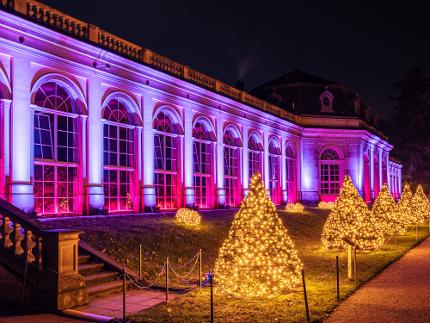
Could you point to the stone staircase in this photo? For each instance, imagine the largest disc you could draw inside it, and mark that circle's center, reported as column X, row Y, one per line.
column 102, row 274
column 99, row 280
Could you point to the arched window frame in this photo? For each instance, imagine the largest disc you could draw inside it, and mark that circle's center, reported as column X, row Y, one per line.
column 255, row 154
column 168, row 133
column 120, row 119
column 232, row 145
column 275, row 170
column 57, row 153
column 203, row 162
column 330, row 173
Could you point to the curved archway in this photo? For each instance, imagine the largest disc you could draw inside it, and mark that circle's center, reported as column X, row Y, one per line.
column 203, row 162
column 129, row 107
column 49, row 80
column 331, row 173
column 55, row 143
column 119, row 146
column 167, row 158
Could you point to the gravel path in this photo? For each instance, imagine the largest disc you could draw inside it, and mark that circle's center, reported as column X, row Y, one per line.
column 401, row 293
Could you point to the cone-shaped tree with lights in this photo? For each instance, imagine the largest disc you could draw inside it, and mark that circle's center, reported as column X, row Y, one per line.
column 350, row 219
column 404, row 207
column 258, row 258
column 420, row 206
column 384, row 213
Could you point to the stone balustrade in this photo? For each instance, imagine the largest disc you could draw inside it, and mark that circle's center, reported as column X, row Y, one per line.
column 20, row 237
column 48, row 258
column 56, row 19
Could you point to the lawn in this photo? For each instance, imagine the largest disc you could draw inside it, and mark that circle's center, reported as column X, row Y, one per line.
column 161, row 237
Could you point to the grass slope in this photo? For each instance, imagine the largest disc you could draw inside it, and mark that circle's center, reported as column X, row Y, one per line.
column 161, row 238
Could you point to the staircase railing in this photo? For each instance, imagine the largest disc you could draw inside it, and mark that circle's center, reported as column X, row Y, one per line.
column 46, row 260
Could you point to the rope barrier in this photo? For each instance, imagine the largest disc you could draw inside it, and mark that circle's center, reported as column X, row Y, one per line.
column 186, row 275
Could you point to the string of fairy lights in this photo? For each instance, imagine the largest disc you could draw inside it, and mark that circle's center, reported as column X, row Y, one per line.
column 258, row 257
column 351, row 220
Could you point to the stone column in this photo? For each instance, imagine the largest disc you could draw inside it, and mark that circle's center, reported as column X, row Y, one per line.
column 148, row 156
column 138, row 194
column 387, row 162
column 284, row 170
column 266, row 159
column 381, row 179
column 21, row 132
column 95, row 193
column 245, row 158
column 399, row 180
column 82, row 175
column 372, row 172
column 189, row 197
column 5, row 136
column 220, row 160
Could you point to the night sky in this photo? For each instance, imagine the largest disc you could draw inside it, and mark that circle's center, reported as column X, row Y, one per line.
column 366, row 45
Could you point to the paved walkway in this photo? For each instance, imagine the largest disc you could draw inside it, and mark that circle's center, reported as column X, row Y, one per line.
column 136, row 301
column 401, row 293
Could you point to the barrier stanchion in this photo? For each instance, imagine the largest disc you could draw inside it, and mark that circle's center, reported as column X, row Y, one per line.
column 355, row 265
column 337, row 279
column 305, row 296
column 200, row 268
column 124, row 287
column 140, row 261
column 167, row 279
column 210, row 275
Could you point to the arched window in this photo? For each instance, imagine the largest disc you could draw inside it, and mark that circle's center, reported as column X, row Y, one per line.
column 255, row 154
column 55, row 150
column 203, row 138
column 275, row 171
column 166, row 160
column 330, row 172
column 118, row 156
column 290, row 169
column 232, row 143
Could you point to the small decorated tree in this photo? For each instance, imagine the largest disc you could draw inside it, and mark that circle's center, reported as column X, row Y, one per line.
column 258, row 258
column 404, row 207
column 350, row 219
column 384, row 213
column 187, row 217
column 420, row 206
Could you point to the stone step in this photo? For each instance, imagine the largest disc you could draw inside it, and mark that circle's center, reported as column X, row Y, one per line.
column 105, row 288
column 83, row 259
column 99, row 277
column 90, row 268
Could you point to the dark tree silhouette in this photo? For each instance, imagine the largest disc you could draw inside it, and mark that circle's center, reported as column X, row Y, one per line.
column 410, row 126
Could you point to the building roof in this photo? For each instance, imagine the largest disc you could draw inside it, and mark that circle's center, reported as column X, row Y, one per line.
column 301, row 93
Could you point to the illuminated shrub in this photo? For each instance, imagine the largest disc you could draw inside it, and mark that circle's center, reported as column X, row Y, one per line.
column 350, row 219
column 326, row 205
column 294, row 208
column 187, row 217
column 420, row 206
column 258, row 258
column 404, row 207
column 384, row 213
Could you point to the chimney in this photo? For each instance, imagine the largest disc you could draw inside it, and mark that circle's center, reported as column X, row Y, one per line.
column 240, row 85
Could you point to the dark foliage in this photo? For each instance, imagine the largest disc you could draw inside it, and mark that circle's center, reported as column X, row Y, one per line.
column 410, row 126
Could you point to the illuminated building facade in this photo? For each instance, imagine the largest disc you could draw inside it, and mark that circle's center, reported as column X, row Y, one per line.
column 91, row 123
